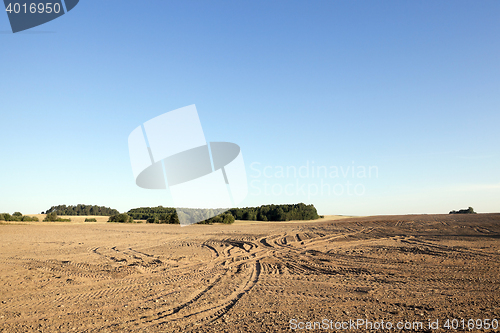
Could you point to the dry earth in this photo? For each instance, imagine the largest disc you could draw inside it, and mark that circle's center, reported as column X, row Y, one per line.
column 106, row 277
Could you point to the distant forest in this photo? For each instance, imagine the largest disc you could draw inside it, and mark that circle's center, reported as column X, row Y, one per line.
column 82, row 210
column 263, row 213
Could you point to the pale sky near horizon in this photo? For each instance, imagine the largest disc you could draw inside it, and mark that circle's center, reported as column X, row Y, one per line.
column 358, row 107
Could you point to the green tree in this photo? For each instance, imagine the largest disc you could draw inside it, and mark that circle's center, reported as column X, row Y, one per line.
column 228, row 219
column 153, row 219
column 174, row 219
column 280, row 214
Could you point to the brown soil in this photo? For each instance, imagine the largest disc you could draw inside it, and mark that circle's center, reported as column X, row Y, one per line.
column 106, row 277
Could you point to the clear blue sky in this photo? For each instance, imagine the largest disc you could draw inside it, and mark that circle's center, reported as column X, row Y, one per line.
column 409, row 88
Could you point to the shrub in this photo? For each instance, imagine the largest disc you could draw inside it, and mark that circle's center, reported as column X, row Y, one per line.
column 90, row 220
column 121, row 218
column 52, row 217
column 29, row 219
column 17, row 218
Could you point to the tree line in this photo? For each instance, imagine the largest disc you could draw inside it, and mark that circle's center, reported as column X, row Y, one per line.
column 80, row 209
column 166, row 215
column 169, row 215
column 288, row 212
column 145, row 213
column 160, row 214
